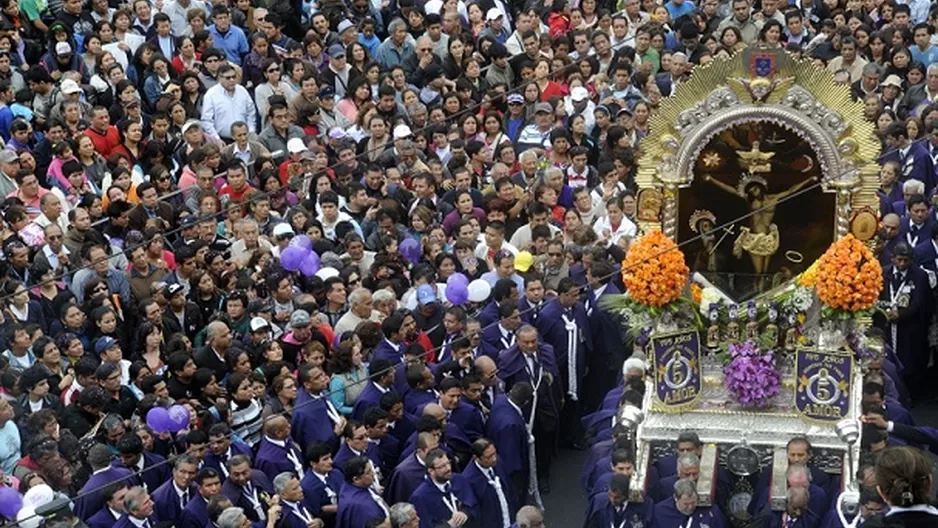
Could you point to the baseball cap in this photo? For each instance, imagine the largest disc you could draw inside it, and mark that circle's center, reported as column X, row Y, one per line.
column 258, row 324
column 344, row 25
column 433, row 71
column 402, row 131
column 69, row 86
column 892, row 80
column 493, row 14
column 426, row 295
column 104, row 343
column 602, row 108
column 295, row 146
column 300, row 319
column 337, row 133
column 307, row 155
column 105, row 370
column 523, row 261
column 282, row 229
column 173, row 289
column 189, row 124
column 515, row 98
column 579, row 93
column 8, row 156
column 326, row 92
column 63, row 48
column 543, row 107
column 336, row 50
column 190, row 220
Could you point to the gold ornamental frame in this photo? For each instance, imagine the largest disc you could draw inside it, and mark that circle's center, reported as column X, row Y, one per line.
column 768, row 85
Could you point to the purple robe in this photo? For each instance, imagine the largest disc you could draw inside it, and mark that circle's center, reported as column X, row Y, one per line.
column 315, row 495
column 416, row 400
column 494, row 342
column 166, row 502
column 357, row 507
column 103, row 519
column 196, row 513
column 345, row 454
column 602, row 514
column 237, row 495
column 469, row 418
column 272, row 459
column 152, row 477
column 513, row 368
column 370, row 397
column 552, row 329
column 507, row 429
column 311, row 422
column 428, row 500
column 385, row 350
column 90, row 498
column 125, row 522
column 666, row 515
column 488, row 315
column 489, row 509
column 408, row 474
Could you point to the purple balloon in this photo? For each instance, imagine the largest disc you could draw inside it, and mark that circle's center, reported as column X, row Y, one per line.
column 292, row 256
column 410, row 248
column 457, row 278
column 310, row 264
column 10, row 502
column 178, row 417
column 302, row 241
column 457, row 293
column 158, row 420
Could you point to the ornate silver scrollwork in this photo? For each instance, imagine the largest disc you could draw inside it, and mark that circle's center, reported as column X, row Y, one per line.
column 718, row 99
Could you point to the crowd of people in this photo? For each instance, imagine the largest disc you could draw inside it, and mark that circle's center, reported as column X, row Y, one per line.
column 159, row 157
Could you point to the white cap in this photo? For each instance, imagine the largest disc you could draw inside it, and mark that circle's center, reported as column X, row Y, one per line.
column 295, row 146
column 258, row 324
column 433, row 7
column 344, row 25
column 327, row 273
column 69, row 86
column 189, row 124
column 283, row 228
column 579, row 93
column 402, row 131
column 63, row 48
column 493, row 14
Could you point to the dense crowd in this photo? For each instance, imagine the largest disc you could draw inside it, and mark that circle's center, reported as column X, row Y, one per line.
column 160, row 157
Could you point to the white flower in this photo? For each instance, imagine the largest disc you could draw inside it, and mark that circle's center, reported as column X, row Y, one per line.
column 708, row 296
column 801, row 300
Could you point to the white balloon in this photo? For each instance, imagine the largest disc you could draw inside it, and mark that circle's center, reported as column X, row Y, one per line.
column 27, row 518
column 327, row 273
column 38, row 495
column 479, row 290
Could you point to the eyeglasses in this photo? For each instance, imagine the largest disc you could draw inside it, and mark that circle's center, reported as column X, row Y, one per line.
column 54, row 237
column 211, row 59
column 273, row 70
column 425, row 49
column 100, row 288
column 229, row 77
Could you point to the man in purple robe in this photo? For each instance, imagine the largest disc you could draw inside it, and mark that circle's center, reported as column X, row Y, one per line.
column 504, row 290
column 356, row 444
column 247, row 488
column 564, row 324
column 395, row 329
column 421, row 382
column 195, row 515
column 507, row 428
column 315, row 418
column 533, row 362
column 381, row 374
column 500, row 337
column 138, row 509
column 295, row 514
column 151, row 469
column 613, row 507
column 681, row 510
column 113, row 508
column 443, row 497
column 358, row 502
column 468, row 415
column 277, row 452
column 222, row 448
column 490, row 485
column 90, row 499
column 322, row 483
column 411, row 471
column 173, row 496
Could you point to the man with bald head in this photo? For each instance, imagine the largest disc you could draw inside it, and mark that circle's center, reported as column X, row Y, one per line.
column 278, row 452
column 213, row 354
column 529, row 517
column 415, row 66
column 887, row 238
column 492, row 387
column 410, row 472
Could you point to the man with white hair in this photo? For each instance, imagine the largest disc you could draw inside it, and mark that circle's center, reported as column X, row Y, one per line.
column 295, row 513
column 526, row 178
column 529, row 517
column 404, row 515
column 361, row 308
column 920, row 94
column 138, row 509
column 668, row 81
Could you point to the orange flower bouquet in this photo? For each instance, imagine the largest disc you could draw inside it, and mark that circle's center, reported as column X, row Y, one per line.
column 848, row 277
column 654, row 272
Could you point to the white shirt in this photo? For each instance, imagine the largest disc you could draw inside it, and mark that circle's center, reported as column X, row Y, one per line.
column 626, row 228
column 179, row 24
column 220, row 109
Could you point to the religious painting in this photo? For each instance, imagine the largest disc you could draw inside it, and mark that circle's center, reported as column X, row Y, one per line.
column 750, row 169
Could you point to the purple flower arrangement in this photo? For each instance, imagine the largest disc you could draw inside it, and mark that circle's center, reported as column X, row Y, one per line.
column 751, row 376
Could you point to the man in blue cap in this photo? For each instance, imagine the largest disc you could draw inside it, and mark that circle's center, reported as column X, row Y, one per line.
column 339, row 74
